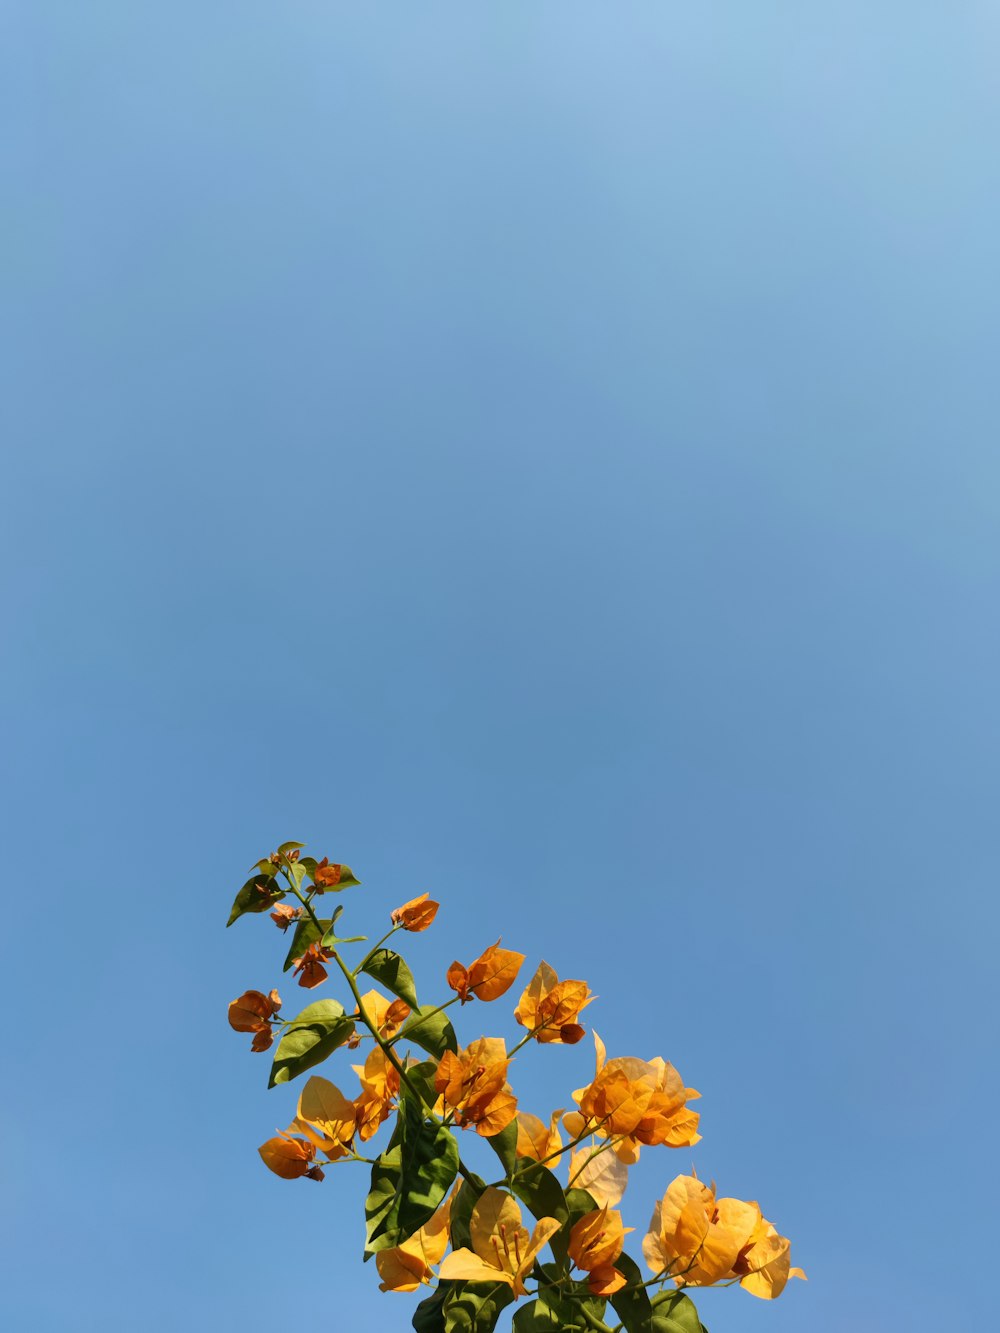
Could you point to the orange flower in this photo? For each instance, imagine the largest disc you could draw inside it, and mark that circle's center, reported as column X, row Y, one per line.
column 502, row 1250
column 550, row 1008
column 637, row 1102
column 326, row 1118
column 379, row 1089
column 290, row 1158
column 702, row 1240
column 595, row 1242
column 252, row 1012
column 417, row 914
column 311, row 965
column 474, row 1084
column 406, row 1266
column 537, row 1140
column 283, row 915
column 388, row 1016
column 493, row 973
column 326, row 876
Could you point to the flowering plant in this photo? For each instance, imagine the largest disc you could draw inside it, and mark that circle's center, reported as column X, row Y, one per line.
column 430, row 1220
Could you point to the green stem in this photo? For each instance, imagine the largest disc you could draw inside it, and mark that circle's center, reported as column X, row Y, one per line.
column 374, row 949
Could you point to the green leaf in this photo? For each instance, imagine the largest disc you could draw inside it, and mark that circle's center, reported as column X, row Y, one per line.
column 306, row 933
column 631, row 1303
column 543, row 1195
column 422, row 1078
column 420, row 1169
column 387, row 967
column 461, row 1210
column 579, row 1203
column 251, row 899
column 428, row 1317
column 386, row 1172
column 430, row 1030
column 552, row 1313
column 309, row 1039
column 287, row 847
column 504, row 1145
column 673, row 1312
column 474, row 1307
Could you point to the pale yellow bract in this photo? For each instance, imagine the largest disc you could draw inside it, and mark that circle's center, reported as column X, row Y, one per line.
column 502, row 1249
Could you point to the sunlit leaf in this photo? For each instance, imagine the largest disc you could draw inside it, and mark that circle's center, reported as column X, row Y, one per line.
column 421, row 1165
column 306, row 933
column 257, row 895
column 313, row 1035
column 504, row 1145
column 430, row 1030
column 389, row 968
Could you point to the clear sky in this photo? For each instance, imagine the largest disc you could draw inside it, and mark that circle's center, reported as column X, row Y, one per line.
column 540, row 453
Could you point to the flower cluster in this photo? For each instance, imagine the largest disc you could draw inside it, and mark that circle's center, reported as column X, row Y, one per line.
column 431, row 1221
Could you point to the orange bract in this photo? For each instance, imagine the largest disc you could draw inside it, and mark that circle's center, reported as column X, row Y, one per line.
column 387, row 1015
column 310, row 965
column 699, row 1240
column 493, row 973
column 595, row 1242
column 326, row 875
column 501, row 1250
column 290, row 1158
column 406, row 1266
column 549, row 1008
column 252, row 1012
column 417, row 914
column 636, row 1102
column 283, row 915
column 379, row 1089
column 474, row 1084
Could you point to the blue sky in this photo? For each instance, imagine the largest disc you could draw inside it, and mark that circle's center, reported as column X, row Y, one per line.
column 543, row 454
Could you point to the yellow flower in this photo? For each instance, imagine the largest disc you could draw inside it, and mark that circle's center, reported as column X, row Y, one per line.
column 290, row 1157
column 379, row 1088
column 595, row 1242
column 636, row 1102
column 700, row 1240
column 549, row 1008
column 490, row 976
column 417, row 914
column 501, row 1250
column 326, row 1117
column 387, row 1015
column 537, row 1140
column 474, row 1084
column 406, row 1266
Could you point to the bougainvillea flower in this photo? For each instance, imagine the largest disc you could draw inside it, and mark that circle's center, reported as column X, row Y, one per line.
column 310, row 965
column 537, row 1140
column 289, row 1157
column 406, row 1266
column 473, row 1084
column 636, row 1102
column 326, row 1117
column 252, row 1012
column 417, row 914
column 493, row 973
column 600, row 1172
column 326, row 876
column 595, row 1242
column 764, row 1266
column 700, row 1240
column 387, row 1015
column 379, row 1089
column 283, row 915
column 502, row 1249
column 550, row 1008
